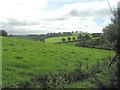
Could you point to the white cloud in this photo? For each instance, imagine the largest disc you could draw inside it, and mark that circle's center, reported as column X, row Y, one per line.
column 30, row 16
column 20, row 9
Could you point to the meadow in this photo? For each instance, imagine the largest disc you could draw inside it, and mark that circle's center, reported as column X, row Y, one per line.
column 23, row 60
column 58, row 39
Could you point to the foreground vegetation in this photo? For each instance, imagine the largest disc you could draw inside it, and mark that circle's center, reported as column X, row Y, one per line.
column 26, row 63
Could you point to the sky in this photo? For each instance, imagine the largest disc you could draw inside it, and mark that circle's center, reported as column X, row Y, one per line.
column 44, row 16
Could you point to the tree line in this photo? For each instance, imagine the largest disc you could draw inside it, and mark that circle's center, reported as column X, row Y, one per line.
column 3, row 33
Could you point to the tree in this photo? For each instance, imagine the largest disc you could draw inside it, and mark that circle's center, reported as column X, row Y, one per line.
column 69, row 38
column 118, row 45
column 112, row 35
column 76, row 31
column 73, row 38
column 87, row 37
column 63, row 39
column 110, row 38
column 3, row 33
column 96, row 34
column 79, row 37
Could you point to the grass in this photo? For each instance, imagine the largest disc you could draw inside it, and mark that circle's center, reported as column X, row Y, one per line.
column 58, row 39
column 83, row 84
column 69, row 43
column 23, row 59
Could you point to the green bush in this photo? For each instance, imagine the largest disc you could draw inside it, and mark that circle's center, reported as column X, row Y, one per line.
column 3, row 33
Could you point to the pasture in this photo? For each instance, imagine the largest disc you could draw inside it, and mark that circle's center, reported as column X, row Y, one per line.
column 22, row 60
column 58, row 39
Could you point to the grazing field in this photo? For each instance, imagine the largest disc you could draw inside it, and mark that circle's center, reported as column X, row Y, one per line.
column 58, row 39
column 22, row 60
column 69, row 43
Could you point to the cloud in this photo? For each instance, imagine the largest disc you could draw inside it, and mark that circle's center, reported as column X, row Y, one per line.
column 64, row 17
column 96, row 9
column 32, row 16
column 15, row 22
column 74, row 13
column 20, row 9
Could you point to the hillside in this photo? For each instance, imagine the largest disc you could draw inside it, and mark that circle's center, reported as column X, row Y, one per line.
column 58, row 39
column 22, row 60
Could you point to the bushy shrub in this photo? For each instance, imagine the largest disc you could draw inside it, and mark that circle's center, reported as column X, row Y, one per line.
column 93, row 42
column 63, row 39
column 3, row 33
column 73, row 38
column 69, row 38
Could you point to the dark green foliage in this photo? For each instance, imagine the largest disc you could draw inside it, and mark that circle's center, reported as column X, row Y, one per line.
column 3, row 33
column 63, row 78
column 105, row 78
column 63, row 39
column 26, row 84
column 93, row 42
column 110, row 32
column 58, row 80
column 96, row 34
column 81, row 44
column 86, row 37
column 73, row 38
column 79, row 37
column 87, row 41
column 69, row 38
column 98, row 75
column 87, row 66
column 112, row 36
column 77, row 44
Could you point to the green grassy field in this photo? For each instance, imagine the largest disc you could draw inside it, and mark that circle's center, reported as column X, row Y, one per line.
column 23, row 59
column 58, row 39
column 69, row 44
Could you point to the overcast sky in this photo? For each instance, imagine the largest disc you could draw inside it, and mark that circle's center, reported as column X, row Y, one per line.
column 43, row 16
